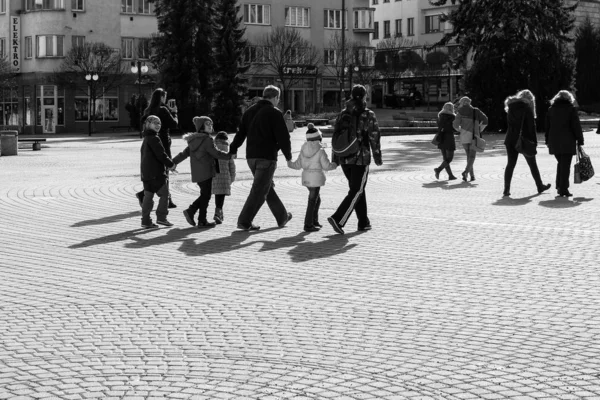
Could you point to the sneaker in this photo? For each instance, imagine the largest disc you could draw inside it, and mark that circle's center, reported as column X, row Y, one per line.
column 367, row 227
column 336, row 227
column 149, row 225
column 206, row 224
column 310, row 228
column 189, row 217
column 171, row 204
column 140, row 197
column 164, row 222
column 317, row 225
column 289, row 217
column 252, row 227
column 436, row 172
column 451, row 178
column 464, row 176
column 218, row 216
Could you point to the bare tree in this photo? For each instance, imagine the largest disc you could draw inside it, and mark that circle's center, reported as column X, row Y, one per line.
column 98, row 65
column 393, row 57
column 289, row 56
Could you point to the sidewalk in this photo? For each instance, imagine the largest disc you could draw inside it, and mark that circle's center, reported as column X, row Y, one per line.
column 456, row 293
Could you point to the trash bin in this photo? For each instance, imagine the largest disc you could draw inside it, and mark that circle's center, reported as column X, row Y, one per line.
column 8, row 143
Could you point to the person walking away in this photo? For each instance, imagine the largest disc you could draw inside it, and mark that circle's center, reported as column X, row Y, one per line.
column 168, row 118
column 289, row 122
column 563, row 135
column 313, row 161
column 264, row 127
column 469, row 121
column 356, row 166
column 154, row 161
column 225, row 175
column 447, row 144
column 520, row 117
column 202, row 153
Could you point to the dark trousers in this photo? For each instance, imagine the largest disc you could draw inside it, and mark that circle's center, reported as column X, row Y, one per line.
column 447, row 156
column 219, row 200
column 513, row 156
column 263, row 189
column 201, row 203
column 563, row 170
column 356, row 199
column 141, row 193
column 312, row 208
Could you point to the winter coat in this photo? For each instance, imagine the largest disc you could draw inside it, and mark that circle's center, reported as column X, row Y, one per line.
column 447, row 131
column 563, row 128
column 202, row 152
column 221, row 183
column 154, row 157
column 313, row 160
column 167, row 122
column 464, row 122
column 519, row 112
column 369, row 136
column 264, row 127
column 289, row 122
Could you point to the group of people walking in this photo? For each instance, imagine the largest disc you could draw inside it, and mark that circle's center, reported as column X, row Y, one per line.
column 264, row 130
column 563, row 134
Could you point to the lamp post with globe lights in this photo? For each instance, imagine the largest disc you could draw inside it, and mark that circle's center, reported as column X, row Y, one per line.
column 139, row 68
column 91, row 78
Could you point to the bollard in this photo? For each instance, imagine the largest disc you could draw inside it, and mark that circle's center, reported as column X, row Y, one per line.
column 8, row 143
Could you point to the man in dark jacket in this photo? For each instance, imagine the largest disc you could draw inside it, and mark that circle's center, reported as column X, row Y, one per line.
column 264, row 126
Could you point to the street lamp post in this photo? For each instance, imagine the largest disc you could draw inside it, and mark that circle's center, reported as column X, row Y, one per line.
column 350, row 69
column 137, row 67
column 91, row 79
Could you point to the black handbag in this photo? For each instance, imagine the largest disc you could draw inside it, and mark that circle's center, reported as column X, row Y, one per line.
column 524, row 145
column 583, row 167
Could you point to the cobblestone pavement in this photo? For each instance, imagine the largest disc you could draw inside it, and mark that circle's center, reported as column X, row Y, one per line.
column 456, row 293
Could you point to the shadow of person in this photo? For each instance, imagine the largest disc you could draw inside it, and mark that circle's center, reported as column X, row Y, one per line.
column 106, row 220
column 509, row 201
column 117, row 237
column 559, row 202
column 332, row 245
column 192, row 248
column 171, row 235
column 435, row 184
column 582, row 199
column 461, row 185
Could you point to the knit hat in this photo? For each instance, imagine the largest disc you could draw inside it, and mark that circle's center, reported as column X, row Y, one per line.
column 199, row 122
column 150, row 119
column 313, row 133
column 222, row 135
column 359, row 92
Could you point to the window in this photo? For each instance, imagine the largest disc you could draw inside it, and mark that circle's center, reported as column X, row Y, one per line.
column 28, row 47
column 365, row 56
column 143, row 48
column 2, row 47
column 32, row 5
column 127, row 48
column 333, row 19
column 386, row 1
column 49, row 46
column 410, row 27
column 144, row 7
column 375, row 30
column 297, row 16
column 363, row 19
column 386, row 29
column 78, row 5
column 432, row 23
column 77, row 41
column 330, row 57
column 257, row 14
column 2, row 6
column 375, row 2
column 256, row 54
column 126, row 6
column 105, row 108
column 398, row 23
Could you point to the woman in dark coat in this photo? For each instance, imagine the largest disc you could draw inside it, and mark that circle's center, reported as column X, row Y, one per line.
column 447, row 145
column 563, row 134
column 521, row 115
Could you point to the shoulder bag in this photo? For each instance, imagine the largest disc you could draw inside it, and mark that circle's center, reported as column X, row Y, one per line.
column 583, row 167
column 524, row 145
column 477, row 142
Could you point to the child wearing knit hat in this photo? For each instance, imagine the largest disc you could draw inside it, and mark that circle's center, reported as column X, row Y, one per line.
column 313, row 161
column 221, row 183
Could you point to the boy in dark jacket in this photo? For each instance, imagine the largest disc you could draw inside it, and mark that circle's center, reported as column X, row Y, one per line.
column 154, row 174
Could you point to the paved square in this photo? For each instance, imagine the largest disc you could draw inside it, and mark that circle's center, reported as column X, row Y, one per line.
column 456, row 293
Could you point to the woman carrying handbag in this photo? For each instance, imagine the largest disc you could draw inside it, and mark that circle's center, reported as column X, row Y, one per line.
column 563, row 135
column 521, row 115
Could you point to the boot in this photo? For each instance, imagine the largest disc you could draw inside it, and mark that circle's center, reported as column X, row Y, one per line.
column 218, row 218
column 171, row 204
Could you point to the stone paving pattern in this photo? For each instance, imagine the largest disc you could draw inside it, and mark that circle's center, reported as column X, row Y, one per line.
column 456, row 293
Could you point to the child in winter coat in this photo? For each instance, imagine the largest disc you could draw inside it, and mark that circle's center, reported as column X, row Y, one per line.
column 202, row 152
column 154, row 174
column 221, row 183
column 313, row 160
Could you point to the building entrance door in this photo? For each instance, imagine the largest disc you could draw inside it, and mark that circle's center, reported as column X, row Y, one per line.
column 49, row 114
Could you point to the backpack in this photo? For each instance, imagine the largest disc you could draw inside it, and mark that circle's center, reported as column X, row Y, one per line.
column 346, row 140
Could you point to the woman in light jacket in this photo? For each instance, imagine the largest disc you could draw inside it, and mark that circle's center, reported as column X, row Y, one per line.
column 563, row 135
column 520, row 116
column 470, row 121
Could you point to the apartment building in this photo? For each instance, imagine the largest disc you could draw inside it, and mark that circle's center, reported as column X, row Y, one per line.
column 37, row 34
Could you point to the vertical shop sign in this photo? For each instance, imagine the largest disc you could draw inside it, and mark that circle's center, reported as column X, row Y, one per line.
column 15, row 39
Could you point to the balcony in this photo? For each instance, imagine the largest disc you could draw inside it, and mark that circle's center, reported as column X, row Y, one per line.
column 363, row 19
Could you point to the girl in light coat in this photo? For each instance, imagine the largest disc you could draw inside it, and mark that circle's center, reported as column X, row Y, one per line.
column 221, row 183
column 313, row 161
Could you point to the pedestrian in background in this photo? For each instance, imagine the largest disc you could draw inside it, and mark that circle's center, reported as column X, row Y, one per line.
column 313, row 161
column 224, row 177
column 168, row 118
column 563, row 135
column 446, row 143
column 153, row 168
column 469, row 121
column 289, row 122
column 202, row 153
column 520, row 117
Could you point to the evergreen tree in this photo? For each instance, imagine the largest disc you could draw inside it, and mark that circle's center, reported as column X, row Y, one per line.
column 514, row 44
column 587, row 52
column 229, row 87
